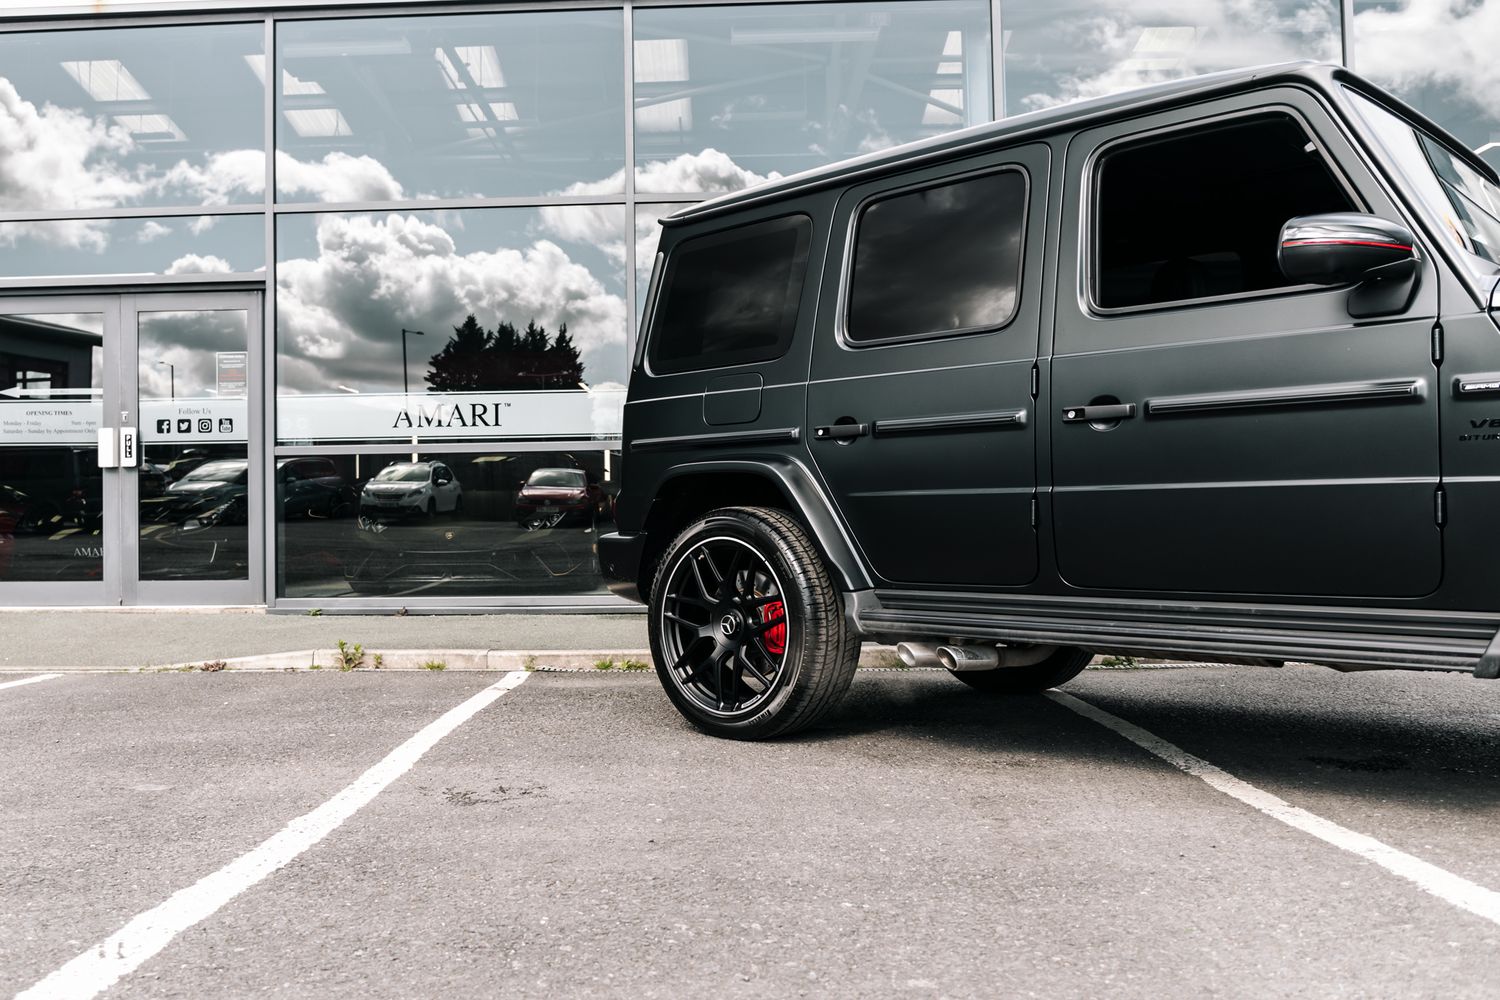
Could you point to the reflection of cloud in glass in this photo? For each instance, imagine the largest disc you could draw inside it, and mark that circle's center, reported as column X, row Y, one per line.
column 1434, row 42
column 710, row 171
column 340, row 314
column 189, row 342
column 198, row 264
column 53, row 156
column 1117, row 46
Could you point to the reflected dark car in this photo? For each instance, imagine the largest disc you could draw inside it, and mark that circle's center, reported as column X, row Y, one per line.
column 307, row 487
column 552, row 497
column 153, row 479
column 399, row 557
column 313, row 488
column 197, row 529
column 210, row 542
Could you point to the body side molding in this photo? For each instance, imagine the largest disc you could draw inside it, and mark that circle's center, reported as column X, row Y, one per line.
column 771, row 435
column 953, row 422
column 1289, row 396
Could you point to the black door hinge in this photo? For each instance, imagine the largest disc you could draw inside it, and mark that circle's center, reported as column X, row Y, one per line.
column 1440, row 506
column 1437, row 343
column 1036, row 380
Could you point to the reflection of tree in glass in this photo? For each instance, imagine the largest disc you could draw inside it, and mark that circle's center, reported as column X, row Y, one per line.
column 480, row 360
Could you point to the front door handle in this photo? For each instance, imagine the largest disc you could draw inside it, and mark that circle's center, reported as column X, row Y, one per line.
column 1089, row 414
column 841, row 432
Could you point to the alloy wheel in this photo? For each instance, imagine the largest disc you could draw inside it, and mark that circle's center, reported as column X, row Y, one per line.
column 724, row 627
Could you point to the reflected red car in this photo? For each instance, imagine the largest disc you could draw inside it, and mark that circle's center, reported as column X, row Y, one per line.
column 551, row 497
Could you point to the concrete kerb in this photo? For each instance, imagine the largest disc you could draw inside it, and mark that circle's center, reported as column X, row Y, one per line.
column 872, row 657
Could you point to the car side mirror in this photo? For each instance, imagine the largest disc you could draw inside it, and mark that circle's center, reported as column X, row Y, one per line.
column 1338, row 248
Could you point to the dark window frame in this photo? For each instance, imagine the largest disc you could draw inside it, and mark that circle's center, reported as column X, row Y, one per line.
column 1089, row 271
column 851, row 245
column 651, row 339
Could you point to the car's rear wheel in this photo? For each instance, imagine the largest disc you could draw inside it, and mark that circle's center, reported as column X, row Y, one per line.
column 1059, row 668
column 747, row 628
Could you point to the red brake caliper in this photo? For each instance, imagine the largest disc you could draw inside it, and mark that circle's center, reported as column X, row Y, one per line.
column 775, row 638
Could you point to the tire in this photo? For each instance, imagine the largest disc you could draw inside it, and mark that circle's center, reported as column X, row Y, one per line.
column 1057, row 669
column 432, row 507
column 727, row 662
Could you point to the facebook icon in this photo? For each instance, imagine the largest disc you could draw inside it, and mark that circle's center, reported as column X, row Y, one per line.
column 164, row 427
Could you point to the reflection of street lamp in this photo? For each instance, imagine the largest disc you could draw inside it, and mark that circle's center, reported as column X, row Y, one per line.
column 172, row 372
column 405, row 385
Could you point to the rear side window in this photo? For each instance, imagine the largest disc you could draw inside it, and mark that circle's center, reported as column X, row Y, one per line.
column 731, row 298
column 1198, row 213
column 939, row 260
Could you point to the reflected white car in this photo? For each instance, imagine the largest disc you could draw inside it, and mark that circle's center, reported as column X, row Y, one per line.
column 412, row 488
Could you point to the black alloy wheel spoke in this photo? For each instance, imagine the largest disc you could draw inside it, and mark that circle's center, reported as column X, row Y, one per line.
column 681, row 666
column 768, row 625
column 703, row 587
column 674, row 616
column 765, row 681
column 713, row 568
column 695, row 602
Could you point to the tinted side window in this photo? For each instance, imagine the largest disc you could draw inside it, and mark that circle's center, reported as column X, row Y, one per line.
column 943, row 259
column 1198, row 213
column 731, row 298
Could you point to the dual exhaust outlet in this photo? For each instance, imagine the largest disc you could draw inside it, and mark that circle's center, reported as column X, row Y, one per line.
column 959, row 657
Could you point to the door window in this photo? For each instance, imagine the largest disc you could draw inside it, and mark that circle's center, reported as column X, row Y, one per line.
column 731, row 298
column 51, row 401
column 938, row 260
column 1197, row 213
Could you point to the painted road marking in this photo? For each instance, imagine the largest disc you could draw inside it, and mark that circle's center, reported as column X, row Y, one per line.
column 1443, row 884
column 29, row 680
column 103, row 965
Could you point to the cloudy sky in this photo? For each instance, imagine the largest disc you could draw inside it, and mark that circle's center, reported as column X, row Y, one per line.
column 347, row 285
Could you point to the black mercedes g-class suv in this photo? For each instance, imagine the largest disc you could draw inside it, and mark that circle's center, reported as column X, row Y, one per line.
column 1209, row 369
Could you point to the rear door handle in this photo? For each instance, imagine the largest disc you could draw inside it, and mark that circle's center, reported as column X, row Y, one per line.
column 1088, row 414
column 840, row 432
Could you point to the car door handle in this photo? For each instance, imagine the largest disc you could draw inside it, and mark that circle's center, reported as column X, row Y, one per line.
column 1089, row 414
column 841, row 432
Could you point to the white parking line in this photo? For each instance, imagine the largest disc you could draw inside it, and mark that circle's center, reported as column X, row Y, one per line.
column 29, row 680
column 1443, row 884
column 122, row 952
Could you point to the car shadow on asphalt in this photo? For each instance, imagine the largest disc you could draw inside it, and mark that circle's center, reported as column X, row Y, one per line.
column 1308, row 735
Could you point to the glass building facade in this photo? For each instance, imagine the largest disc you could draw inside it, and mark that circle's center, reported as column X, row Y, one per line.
column 364, row 281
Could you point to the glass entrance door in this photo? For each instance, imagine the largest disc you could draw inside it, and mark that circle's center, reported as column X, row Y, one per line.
column 128, row 450
column 195, row 509
column 57, row 544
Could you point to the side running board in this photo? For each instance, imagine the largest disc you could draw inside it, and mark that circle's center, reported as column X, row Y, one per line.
column 1488, row 666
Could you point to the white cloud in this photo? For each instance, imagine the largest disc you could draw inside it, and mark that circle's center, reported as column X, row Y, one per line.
column 56, row 158
column 1121, row 46
column 710, row 172
column 341, row 313
column 1432, row 42
column 194, row 264
column 152, row 230
column 337, row 177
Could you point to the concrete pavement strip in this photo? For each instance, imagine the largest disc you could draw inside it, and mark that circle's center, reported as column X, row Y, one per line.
column 872, row 657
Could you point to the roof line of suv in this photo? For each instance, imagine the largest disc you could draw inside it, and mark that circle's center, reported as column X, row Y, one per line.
column 1072, row 117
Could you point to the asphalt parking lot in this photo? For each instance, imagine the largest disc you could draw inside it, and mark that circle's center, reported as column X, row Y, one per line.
column 573, row 837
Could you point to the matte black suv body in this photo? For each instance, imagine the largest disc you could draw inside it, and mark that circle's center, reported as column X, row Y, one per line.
column 1205, row 370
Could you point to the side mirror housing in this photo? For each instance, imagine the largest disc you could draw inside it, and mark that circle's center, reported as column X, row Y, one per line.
column 1338, row 248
